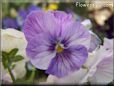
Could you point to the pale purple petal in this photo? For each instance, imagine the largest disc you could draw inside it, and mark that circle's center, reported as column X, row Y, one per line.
column 40, row 51
column 76, row 34
column 62, row 17
column 67, row 62
column 37, row 22
column 43, row 60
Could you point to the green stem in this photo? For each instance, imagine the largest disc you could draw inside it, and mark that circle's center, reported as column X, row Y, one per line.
column 11, row 74
column 32, row 76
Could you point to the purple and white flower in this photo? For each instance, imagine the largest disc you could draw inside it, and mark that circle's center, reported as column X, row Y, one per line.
column 56, row 42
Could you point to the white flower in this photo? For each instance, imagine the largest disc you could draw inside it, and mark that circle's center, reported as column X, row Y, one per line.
column 95, row 40
column 103, row 64
column 98, row 68
column 74, row 78
column 87, row 23
column 10, row 39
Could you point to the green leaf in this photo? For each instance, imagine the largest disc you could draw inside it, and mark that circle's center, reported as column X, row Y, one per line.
column 17, row 58
column 5, row 63
column 4, row 55
column 13, row 52
column 13, row 66
column 5, row 59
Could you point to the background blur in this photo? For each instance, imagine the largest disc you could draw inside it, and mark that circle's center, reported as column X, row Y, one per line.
column 14, row 12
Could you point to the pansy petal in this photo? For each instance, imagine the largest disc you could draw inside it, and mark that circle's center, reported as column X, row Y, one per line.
column 38, row 51
column 63, row 18
column 43, row 60
column 37, row 22
column 77, row 34
column 68, row 61
column 60, row 15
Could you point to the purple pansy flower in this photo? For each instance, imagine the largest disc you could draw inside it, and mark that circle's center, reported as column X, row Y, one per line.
column 56, row 42
column 33, row 8
column 22, row 13
column 10, row 23
column 21, row 16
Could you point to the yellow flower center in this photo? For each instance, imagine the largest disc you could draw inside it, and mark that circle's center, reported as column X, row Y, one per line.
column 59, row 48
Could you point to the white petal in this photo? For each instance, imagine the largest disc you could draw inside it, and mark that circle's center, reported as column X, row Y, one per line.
column 95, row 42
column 104, row 73
column 108, row 44
column 12, row 38
column 87, row 23
column 90, row 60
column 100, row 66
column 12, row 32
column 51, row 79
column 20, row 69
